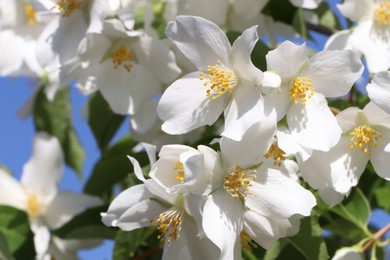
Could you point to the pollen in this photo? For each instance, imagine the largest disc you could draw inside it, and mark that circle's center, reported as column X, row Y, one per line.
column 246, row 241
column 301, row 90
column 238, row 181
column 169, row 224
column 220, row 80
column 67, row 7
column 34, row 205
column 277, row 154
column 122, row 57
column 382, row 13
column 30, row 13
column 363, row 138
column 180, row 171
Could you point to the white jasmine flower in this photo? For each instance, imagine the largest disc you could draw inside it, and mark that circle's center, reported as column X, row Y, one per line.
column 371, row 36
column 226, row 81
column 38, row 195
column 365, row 136
column 347, row 253
column 305, row 84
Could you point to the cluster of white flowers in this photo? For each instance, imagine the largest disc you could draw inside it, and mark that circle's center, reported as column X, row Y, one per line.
column 278, row 131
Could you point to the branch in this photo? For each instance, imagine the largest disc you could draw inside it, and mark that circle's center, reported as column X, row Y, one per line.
column 377, row 236
column 320, row 28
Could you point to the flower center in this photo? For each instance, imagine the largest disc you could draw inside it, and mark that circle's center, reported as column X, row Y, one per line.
column 219, row 80
column 67, row 7
column 382, row 14
column 238, row 181
column 276, row 153
column 30, row 14
column 123, row 57
column 169, row 223
column 34, row 205
column 363, row 137
column 179, row 168
column 246, row 241
column 301, row 90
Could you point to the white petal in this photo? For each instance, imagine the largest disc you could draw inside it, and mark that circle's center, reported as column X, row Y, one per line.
column 66, row 205
column 271, row 84
column 375, row 116
column 241, row 57
column 373, row 43
column 309, row 4
column 184, row 106
column 156, row 55
column 314, row 126
column 12, row 58
column 348, row 119
column 356, row 9
column 280, row 102
column 287, row 59
column 130, row 90
column 251, row 149
column 43, row 171
column 244, row 109
column 97, row 14
column 41, row 239
column 289, row 144
column 137, row 169
column 379, row 157
column 140, row 215
column 200, row 40
column 333, row 73
column 379, row 90
column 223, row 218
column 339, row 41
column 248, row 8
column 125, row 200
column 11, row 192
column 275, row 195
column 331, row 197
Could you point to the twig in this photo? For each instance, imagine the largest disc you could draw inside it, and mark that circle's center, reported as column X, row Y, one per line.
column 320, row 28
column 377, row 236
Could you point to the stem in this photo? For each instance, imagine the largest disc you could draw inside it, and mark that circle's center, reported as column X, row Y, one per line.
column 377, row 236
column 320, row 28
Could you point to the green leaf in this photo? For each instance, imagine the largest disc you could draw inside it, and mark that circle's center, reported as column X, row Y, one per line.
column 127, row 243
column 113, row 167
column 5, row 252
column 55, row 119
column 326, row 16
column 299, row 24
column 355, row 209
column 15, row 228
column 281, row 10
column 86, row 225
column 275, row 250
column 103, row 122
column 382, row 195
column 309, row 240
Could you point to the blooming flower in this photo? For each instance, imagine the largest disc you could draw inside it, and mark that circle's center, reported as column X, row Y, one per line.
column 305, row 84
column 371, row 35
column 149, row 204
column 38, row 195
column 226, row 81
column 366, row 133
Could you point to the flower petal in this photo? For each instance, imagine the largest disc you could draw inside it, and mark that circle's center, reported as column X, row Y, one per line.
column 356, row 9
column 244, row 109
column 184, row 106
column 333, row 73
column 11, row 192
column 43, row 171
column 241, row 56
column 314, row 126
column 200, row 40
column 223, row 218
column 379, row 90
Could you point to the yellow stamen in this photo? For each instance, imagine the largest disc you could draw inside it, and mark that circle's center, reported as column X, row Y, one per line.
column 219, row 79
column 30, row 14
column 382, row 13
column 179, row 167
column 34, row 205
column 301, row 90
column 123, row 57
column 67, row 7
column 169, row 223
column 238, row 181
column 363, row 138
column 276, row 153
column 246, row 241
